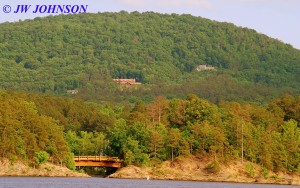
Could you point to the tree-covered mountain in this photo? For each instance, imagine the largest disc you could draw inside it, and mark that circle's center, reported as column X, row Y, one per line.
column 84, row 52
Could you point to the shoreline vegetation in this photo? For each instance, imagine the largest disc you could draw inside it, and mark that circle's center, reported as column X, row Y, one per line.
column 192, row 168
column 153, row 134
column 197, row 169
column 20, row 169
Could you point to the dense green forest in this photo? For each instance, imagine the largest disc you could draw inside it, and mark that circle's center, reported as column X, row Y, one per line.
column 84, row 52
column 146, row 134
column 246, row 108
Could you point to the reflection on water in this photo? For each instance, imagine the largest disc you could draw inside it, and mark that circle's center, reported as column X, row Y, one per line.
column 43, row 182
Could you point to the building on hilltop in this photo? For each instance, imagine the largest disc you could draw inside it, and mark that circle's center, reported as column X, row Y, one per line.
column 72, row 92
column 127, row 82
column 205, row 67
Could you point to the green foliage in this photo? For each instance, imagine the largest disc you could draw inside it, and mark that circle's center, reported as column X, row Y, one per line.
column 48, row 168
column 291, row 142
column 134, row 154
column 41, row 157
column 57, row 53
column 69, row 161
column 275, row 177
column 265, row 172
column 24, row 131
column 129, row 157
column 250, row 170
column 142, row 134
column 213, row 167
column 86, row 143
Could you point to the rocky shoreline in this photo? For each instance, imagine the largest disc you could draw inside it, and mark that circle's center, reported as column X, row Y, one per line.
column 45, row 170
column 183, row 169
column 195, row 169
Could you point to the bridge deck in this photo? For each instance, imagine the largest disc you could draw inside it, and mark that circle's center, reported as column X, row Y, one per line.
column 98, row 161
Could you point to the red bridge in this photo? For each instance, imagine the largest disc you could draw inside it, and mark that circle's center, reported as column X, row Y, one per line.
column 97, row 161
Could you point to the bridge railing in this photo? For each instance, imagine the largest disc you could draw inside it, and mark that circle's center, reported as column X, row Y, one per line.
column 97, row 158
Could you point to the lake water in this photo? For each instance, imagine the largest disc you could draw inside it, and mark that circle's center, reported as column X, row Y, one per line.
column 41, row 182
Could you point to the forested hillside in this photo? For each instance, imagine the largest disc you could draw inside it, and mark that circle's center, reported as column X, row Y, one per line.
column 147, row 134
column 84, row 52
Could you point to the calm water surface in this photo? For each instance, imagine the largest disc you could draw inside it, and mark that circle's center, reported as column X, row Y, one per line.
column 41, row 182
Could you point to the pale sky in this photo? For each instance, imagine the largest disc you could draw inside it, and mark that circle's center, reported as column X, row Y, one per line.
column 278, row 19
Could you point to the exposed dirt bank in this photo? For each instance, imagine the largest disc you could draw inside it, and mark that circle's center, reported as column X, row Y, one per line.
column 48, row 169
column 195, row 169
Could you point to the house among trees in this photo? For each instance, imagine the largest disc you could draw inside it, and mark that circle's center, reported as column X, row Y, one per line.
column 205, row 67
column 127, row 82
column 72, row 92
